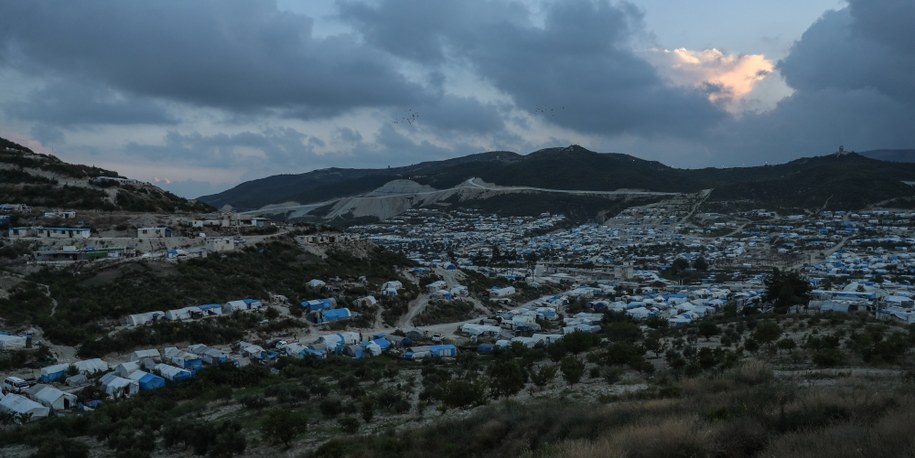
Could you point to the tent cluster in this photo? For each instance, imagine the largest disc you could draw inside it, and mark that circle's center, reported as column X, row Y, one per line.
column 678, row 308
column 60, row 372
column 194, row 312
column 350, row 344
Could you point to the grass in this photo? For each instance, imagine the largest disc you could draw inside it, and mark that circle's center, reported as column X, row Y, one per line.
column 740, row 412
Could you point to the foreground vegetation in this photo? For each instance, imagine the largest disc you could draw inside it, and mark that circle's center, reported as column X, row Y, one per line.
column 735, row 385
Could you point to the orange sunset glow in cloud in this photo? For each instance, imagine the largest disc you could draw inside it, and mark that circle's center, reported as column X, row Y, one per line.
column 729, row 78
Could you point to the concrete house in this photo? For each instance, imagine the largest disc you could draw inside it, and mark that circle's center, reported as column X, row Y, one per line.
column 154, row 232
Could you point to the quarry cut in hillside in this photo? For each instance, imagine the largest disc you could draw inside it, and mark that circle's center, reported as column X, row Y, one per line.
column 398, row 196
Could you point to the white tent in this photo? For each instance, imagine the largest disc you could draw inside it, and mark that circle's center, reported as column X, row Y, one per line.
column 639, row 313
column 478, row 329
column 117, row 387
column 91, row 366
column 11, row 342
column 52, row 397
column 184, row 313
column 180, row 357
column 148, row 353
column 209, row 355
column 22, row 405
column 143, row 318
column 125, row 369
column 172, row 373
column 77, row 380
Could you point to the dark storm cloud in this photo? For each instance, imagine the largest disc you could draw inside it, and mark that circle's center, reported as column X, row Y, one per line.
column 347, row 135
column 72, row 104
column 237, row 55
column 841, row 52
column 452, row 113
column 851, row 71
column 578, row 70
column 270, row 147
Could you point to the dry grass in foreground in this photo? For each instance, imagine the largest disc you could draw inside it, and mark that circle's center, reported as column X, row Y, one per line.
column 741, row 413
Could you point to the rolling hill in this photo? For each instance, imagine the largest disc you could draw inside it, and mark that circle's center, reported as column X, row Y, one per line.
column 41, row 180
column 849, row 181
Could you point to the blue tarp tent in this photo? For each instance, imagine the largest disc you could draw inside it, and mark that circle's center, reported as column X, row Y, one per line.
column 443, row 350
column 53, row 373
column 382, row 342
column 173, row 373
column 485, row 348
column 147, row 381
column 333, row 315
column 319, row 304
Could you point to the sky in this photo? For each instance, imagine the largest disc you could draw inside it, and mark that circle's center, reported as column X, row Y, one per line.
column 198, row 96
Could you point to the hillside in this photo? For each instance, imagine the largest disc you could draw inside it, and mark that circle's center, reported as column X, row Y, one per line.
column 849, row 182
column 891, row 155
column 571, row 167
column 41, row 180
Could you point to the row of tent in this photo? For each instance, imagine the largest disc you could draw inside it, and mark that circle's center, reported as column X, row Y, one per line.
column 194, row 312
column 38, row 402
column 353, row 345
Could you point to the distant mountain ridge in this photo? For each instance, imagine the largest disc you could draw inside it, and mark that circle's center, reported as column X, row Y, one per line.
column 39, row 180
column 848, row 181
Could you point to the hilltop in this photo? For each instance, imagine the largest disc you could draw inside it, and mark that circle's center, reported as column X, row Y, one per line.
column 530, row 183
column 27, row 177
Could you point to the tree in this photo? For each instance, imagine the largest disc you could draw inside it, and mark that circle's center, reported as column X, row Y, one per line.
column 281, row 426
column 786, row 344
column 348, row 425
column 531, row 259
column 654, row 344
column 785, row 289
column 767, row 332
column 572, row 369
column 622, row 331
column 543, row 376
column 700, row 264
column 368, row 410
column 458, row 393
column 506, row 378
column 708, row 329
column 679, row 265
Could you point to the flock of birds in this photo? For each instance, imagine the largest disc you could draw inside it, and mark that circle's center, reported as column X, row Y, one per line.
column 412, row 117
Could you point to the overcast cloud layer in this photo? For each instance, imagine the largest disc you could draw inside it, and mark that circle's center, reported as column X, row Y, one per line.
column 201, row 95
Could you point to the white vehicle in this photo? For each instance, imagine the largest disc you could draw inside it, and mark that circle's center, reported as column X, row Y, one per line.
column 15, row 385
